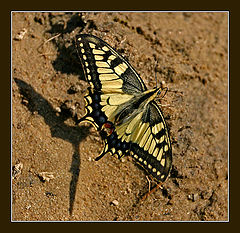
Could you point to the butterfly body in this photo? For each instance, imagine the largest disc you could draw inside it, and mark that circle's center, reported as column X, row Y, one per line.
column 119, row 105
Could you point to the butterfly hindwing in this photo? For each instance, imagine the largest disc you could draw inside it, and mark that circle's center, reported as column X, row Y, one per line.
column 119, row 105
column 158, row 145
column 147, row 136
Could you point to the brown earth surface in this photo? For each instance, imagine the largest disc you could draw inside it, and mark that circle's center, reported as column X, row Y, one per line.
column 55, row 176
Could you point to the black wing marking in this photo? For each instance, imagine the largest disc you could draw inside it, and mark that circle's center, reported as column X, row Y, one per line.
column 100, row 60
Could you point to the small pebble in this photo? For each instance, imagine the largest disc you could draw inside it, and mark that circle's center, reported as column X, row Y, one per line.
column 57, row 109
column 28, row 207
column 193, row 197
column 46, row 176
column 21, row 34
column 123, row 159
column 115, row 202
column 17, row 170
column 74, row 89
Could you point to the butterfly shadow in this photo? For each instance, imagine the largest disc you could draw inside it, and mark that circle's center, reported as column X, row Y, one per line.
column 66, row 62
column 36, row 103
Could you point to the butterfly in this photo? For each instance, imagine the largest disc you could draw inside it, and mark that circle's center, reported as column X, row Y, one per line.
column 119, row 105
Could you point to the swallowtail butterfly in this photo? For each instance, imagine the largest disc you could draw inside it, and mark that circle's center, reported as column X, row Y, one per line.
column 119, row 105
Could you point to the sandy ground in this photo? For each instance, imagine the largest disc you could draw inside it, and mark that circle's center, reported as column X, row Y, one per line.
column 55, row 176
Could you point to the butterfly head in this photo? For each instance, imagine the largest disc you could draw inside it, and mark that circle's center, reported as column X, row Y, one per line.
column 157, row 92
column 162, row 92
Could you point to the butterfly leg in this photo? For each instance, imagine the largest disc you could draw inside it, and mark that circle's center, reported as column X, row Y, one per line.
column 176, row 91
column 150, row 191
column 149, row 184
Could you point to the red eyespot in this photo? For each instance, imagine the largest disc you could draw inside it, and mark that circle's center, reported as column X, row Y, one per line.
column 108, row 127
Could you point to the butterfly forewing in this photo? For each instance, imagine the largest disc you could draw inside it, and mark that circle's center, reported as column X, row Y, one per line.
column 118, row 105
column 105, row 68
